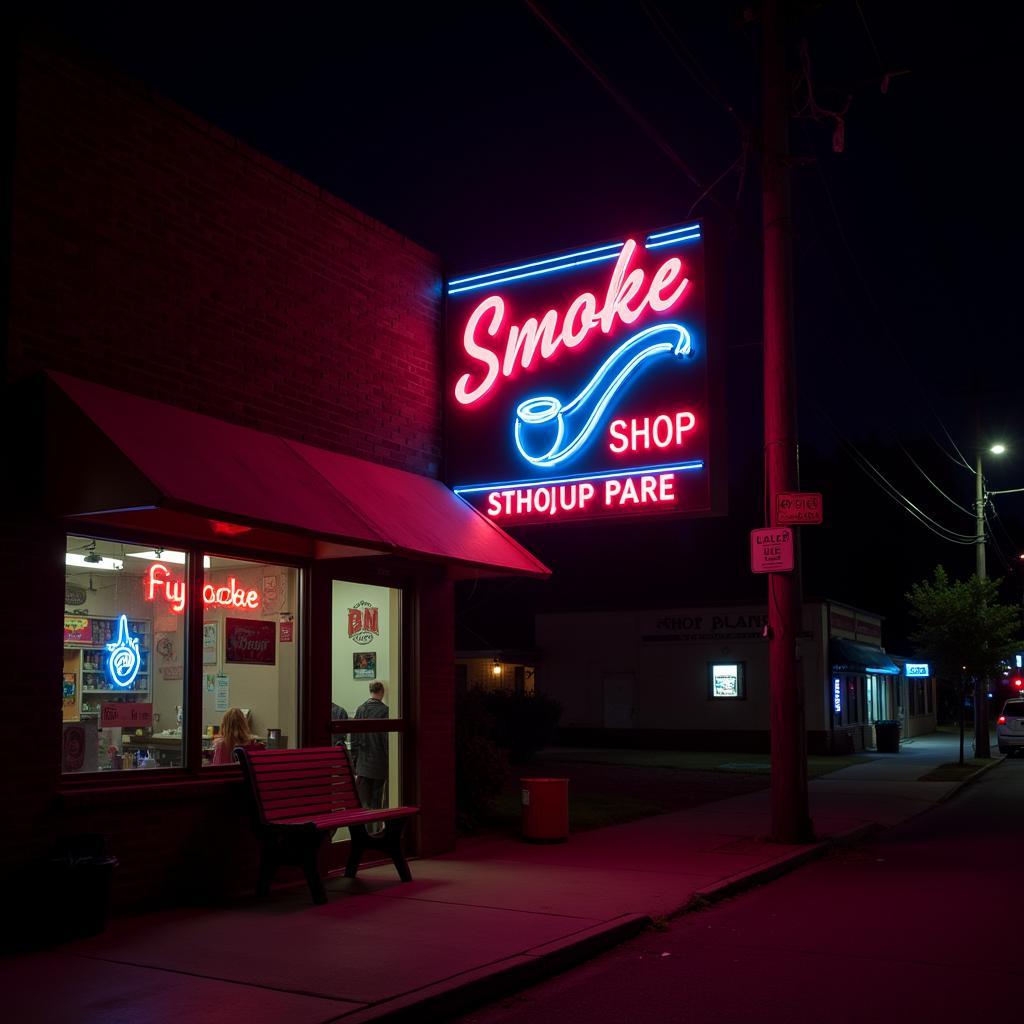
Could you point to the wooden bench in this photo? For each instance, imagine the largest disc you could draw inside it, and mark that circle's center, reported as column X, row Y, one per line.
column 298, row 799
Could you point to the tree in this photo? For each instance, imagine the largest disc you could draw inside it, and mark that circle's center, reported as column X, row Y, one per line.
column 964, row 629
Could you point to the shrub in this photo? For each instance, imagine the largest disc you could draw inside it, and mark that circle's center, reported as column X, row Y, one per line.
column 481, row 766
column 523, row 722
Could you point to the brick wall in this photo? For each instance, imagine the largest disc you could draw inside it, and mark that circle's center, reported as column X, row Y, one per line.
column 155, row 254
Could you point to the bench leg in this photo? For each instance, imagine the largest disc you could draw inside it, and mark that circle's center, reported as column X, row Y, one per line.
column 392, row 843
column 311, row 869
column 268, row 866
column 357, row 835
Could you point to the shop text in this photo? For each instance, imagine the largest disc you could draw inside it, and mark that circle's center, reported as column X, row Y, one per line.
column 559, row 499
column 627, row 296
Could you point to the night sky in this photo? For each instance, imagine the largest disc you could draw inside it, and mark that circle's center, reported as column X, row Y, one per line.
column 474, row 131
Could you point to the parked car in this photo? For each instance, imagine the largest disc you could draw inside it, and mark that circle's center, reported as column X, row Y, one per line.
column 1010, row 727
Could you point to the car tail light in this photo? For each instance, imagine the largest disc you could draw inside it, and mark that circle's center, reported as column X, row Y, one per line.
column 1001, row 720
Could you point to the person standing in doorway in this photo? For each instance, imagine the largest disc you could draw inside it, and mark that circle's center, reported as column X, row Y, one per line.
column 370, row 751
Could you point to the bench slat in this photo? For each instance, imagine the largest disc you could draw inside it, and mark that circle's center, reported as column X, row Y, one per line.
column 358, row 817
column 326, row 787
column 277, row 806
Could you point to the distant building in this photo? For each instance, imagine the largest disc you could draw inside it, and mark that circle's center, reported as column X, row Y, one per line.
column 698, row 678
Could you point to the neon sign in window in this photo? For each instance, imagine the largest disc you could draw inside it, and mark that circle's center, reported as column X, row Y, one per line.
column 159, row 580
column 124, row 659
column 837, row 696
column 580, row 384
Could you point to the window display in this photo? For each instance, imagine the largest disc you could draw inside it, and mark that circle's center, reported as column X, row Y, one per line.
column 250, row 656
column 125, row 676
column 123, row 668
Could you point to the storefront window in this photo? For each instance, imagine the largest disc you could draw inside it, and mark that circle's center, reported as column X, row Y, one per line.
column 250, row 656
column 366, row 685
column 124, row 657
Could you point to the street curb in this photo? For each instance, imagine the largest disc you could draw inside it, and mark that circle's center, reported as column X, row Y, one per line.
column 995, row 762
column 758, row 876
column 463, row 992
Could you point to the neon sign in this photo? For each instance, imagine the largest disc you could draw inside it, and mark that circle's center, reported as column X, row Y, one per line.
column 571, row 376
column 918, row 669
column 160, row 580
column 124, row 659
column 837, row 696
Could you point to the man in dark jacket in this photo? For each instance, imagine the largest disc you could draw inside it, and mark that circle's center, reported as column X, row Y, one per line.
column 370, row 751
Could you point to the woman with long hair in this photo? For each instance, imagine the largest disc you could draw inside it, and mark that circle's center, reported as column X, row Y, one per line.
column 234, row 732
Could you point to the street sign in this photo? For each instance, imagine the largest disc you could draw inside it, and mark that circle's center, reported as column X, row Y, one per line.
column 771, row 549
column 798, row 508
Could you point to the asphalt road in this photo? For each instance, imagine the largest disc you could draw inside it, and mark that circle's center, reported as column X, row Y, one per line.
column 922, row 924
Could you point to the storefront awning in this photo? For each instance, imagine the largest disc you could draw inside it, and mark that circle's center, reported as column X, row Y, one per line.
column 162, row 456
column 849, row 656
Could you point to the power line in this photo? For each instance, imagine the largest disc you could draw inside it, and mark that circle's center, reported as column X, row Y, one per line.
column 954, row 503
column 880, row 480
column 686, row 59
column 649, row 129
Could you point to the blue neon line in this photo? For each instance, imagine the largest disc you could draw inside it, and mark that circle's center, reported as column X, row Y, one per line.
column 533, row 273
column 675, row 231
column 672, row 241
column 537, row 263
column 678, row 468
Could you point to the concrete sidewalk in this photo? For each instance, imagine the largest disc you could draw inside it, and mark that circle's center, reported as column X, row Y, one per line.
column 491, row 917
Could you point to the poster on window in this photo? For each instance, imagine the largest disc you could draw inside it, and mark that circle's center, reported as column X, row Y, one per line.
column 222, row 693
column 364, row 665
column 250, row 642
column 209, row 643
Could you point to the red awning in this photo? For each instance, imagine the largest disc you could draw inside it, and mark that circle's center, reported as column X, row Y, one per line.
column 170, row 458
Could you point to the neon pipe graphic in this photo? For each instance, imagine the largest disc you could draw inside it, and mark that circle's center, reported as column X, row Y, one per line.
column 537, row 419
column 125, row 659
column 690, row 229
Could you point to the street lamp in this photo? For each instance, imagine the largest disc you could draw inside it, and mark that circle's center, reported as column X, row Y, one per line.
column 981, row 740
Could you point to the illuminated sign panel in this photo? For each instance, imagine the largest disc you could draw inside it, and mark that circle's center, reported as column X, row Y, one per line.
column 578, row 385
column 919, row 669
column 726, row 681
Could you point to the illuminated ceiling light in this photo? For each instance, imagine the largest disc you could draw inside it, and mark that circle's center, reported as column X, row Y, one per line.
column 998, row 449
column 93, row 561
column 163, row 555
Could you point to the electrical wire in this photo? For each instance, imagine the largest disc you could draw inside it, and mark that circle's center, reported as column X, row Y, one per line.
column 645, row 125
column 1002, row 526
column 996, row 546
column 879, row 479
column 953, row 502
column 689, row 63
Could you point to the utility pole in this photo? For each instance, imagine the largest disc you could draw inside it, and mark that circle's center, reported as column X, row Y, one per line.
column 981, row 741
column 791, row 821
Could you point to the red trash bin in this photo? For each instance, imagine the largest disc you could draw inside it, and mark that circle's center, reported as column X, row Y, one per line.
column 545, row 810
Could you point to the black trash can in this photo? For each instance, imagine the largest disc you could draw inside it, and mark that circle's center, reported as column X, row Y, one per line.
column 887, row 737
column 79, row 875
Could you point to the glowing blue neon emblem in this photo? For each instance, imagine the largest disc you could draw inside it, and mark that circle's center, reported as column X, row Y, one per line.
column 125, row 659
column 538, row 418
